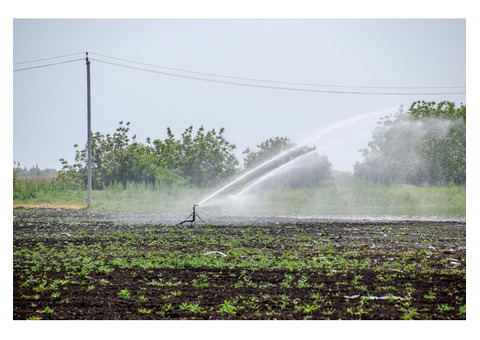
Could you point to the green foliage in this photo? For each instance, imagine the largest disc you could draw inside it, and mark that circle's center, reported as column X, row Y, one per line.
column 23, row 189
column 227, row 307
column 425, row 146
column 267, row 149
column 124, row 294
column 462, row 311
column 27, row 186
column 200, row 160
column 204, row 159
column 363, row 198
column 193, row 308
column 312, row 172
column 444, row 308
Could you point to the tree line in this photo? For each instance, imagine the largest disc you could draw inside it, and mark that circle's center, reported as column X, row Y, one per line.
column 198, row 159
column 425, row 145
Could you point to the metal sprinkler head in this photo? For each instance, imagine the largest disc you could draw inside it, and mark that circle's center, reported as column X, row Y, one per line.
column 193, row 217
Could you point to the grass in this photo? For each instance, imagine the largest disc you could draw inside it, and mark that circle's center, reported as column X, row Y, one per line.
column 64, row 198
column 359, row 198
column 341, row 198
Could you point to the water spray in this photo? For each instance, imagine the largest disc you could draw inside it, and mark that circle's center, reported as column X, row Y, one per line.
column 275, row 171
column 193, row 217
column 317, row 136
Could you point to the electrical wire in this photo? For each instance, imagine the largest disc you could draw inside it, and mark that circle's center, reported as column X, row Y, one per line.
column 272, row 87
column 44, row 59
column 47, row 65
column 279, row 82
column 238, row 83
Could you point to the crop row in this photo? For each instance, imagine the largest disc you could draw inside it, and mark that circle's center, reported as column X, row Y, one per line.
column 75, row 268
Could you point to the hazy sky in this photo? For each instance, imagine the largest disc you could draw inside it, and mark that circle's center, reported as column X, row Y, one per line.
column 364, row 55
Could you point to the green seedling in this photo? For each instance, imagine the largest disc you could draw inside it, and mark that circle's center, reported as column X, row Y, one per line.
column 48, row 310
column 287, row 281
column 144, row 310
column 306, row 308
column 410, row 314
column 142, row 298
column 55, row 295
column 124, row 294
column 430, row 296
column 444, row 308
column 193, row 308
column 227, row 307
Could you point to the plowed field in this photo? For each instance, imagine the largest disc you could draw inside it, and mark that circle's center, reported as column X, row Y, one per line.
column 74, row 264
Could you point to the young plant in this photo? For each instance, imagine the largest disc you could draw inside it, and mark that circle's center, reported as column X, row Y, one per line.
column 306, row 308
column 444, row 308
column 227, row 307
column 462, row 311
column 144, row 310
column 287, row 281
column 430, row 296
column 48, row 310
column 410, row 314
column 193, row 308
column 303, row 282
column 124, row 294
column 55, row 295
column 165, row 308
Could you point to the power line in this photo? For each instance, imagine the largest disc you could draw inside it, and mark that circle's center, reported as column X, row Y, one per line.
column 47, row 65
column 228, row 82
column 44, row 59
column 272, row 87
column 279, row 82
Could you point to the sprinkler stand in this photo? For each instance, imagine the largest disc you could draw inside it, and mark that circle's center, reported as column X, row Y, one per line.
column 193, row 217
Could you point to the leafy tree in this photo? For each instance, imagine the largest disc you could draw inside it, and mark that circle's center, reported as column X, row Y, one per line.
column 110, row 159
column 200, row 160
column 204, row 159
column 314, row 171
column 425, row 145
column 267, row 149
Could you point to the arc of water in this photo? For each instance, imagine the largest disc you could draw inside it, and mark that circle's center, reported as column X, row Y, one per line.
column 274, row 171
column 317, row 136
column 342, row 123
column 250, row 172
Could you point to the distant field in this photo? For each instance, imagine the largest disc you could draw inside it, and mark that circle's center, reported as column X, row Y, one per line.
column 352, row 198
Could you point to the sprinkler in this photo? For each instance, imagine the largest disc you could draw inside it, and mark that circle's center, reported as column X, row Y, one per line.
column 193, row 216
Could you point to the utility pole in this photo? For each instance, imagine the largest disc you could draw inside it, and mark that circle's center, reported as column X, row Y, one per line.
column 89, row 141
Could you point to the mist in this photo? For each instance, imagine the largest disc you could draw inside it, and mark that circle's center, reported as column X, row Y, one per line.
column 307, row 185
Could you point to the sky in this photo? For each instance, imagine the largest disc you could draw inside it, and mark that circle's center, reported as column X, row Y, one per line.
column 357, row 58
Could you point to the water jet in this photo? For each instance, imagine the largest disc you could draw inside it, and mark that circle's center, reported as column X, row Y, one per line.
column 317, row 136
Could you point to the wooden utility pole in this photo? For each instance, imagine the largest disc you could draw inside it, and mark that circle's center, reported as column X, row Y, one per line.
column 89, row 141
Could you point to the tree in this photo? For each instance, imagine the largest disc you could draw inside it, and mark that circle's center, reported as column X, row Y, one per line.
column 201, row 160
column 267, row 149
column 110, row 159
column 204, row 159
column 425, row 145
column 310, row 172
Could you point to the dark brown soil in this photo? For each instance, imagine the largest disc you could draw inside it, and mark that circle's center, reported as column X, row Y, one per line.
column 372, row 270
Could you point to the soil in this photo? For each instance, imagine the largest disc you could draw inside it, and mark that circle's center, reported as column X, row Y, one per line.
column 392, row 270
